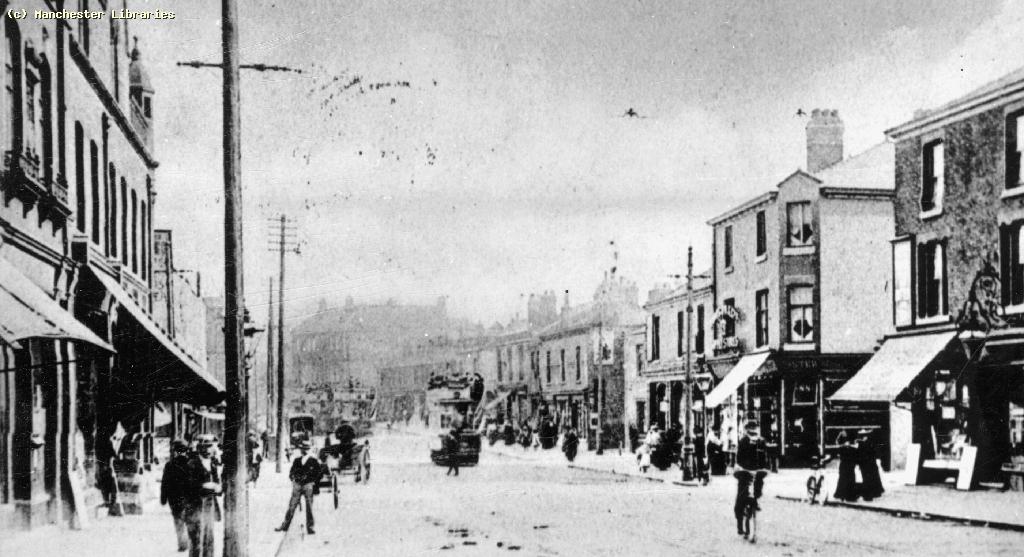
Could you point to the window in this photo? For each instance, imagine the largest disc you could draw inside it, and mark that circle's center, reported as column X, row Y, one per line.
column 124, row 222
column 522, row 363
column 762, row 235
column 561, row 363
column 680, row 333
column 801, row 314
column 112, row 210
column 1012, row 261
column 931, row 279
column 10, row 124
column 94, row 178
column 902, row 278
column 761, row 306
column 727, row 250
column 699, row 337
column 508, row 363
column 79, row 177
column 144, row 255
column 83, row 27
column 655, row 337
column 549, row 366
column 579, row 364
column 729, row 330
column 498, row 355
column 933, row 177
column 135, row 232
column 1014, row 148
column 639, row 358
column 799, row 225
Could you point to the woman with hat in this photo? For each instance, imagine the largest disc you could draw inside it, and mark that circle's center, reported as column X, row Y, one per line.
column 846, row 485
column 866, row 460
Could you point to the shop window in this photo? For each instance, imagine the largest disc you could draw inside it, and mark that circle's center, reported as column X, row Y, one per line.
column 762, row 235
column 799, row 224
column 902, row 292
column 761, row 304
column 727, row 248
column 931, row 279
column 801, row 314
column 1012, row 261
column 1014, row 148
column 933, row 177
column 699, row 337
column 805, row 393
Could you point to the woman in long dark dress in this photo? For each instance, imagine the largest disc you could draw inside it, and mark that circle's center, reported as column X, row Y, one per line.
column 846, row 485
column 868, row 463
column 570, row 444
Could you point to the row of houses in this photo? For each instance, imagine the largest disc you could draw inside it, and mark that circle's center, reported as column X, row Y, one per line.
column 879, row 291
column 102, row 341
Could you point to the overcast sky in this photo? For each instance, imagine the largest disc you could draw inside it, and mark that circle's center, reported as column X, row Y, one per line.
column 494, row 160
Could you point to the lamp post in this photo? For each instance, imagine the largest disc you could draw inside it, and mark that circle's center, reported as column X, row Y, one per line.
column 688, row 448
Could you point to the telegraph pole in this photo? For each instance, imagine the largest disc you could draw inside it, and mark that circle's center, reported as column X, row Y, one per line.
column 688, row 395
column 270, row 357
column 286, row 242
column 236, row 496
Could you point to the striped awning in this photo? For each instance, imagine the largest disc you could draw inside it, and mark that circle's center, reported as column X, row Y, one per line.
column 738, row 375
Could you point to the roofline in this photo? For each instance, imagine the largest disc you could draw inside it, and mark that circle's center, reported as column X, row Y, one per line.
column 677, row 297
column 857, row 193
column 744, row 207
column 954, row 111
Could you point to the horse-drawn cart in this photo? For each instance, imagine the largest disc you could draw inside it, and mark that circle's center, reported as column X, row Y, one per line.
column 344, row 457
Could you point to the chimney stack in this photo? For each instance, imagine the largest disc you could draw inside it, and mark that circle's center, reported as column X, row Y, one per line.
column 824, row 140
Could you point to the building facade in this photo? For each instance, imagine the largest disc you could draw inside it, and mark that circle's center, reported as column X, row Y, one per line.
column 953, row 365
column 800, row 294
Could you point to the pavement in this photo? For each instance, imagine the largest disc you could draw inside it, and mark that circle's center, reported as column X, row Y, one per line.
column 152, row 532
column 991, row 508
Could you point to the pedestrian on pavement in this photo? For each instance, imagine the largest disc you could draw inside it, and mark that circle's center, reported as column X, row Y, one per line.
column 174, row 489
column 254, row 455
column 570, row 444
column 265, row 438
column 846, row 484
column 643, row 458
column 716, row 453
column 202, row 507
column 867, row 460
column 451, row 447
column 305, row 474
column 700, row 456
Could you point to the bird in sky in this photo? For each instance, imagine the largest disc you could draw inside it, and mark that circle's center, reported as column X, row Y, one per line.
column 631, row 113
column 800, row 112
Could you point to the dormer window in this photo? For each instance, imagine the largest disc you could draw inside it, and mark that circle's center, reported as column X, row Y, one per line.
column 933, row 177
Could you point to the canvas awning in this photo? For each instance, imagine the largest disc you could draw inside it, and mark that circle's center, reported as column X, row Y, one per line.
column 893, row 367
column 747, row 366
column 27, row 312
column 172, row 373
column 497, row 400
column 216, row 416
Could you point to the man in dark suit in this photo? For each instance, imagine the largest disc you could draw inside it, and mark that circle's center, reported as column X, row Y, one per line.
column 305, row 474
column 751, row 466
column 201, row 507
column 173, row 489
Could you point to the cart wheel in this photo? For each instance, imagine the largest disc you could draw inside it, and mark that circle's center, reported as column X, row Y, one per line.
column 334, row 487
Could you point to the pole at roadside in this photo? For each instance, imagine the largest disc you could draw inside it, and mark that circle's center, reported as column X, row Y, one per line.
column 688, row 394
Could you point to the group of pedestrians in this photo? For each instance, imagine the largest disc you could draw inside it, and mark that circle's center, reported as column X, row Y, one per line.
column 190, row 485
column 858, row 455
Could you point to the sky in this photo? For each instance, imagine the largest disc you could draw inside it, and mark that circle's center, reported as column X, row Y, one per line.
column 479, row 150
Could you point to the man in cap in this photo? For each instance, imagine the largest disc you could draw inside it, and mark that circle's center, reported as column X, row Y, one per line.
column 201, row 507
column 173, row 489
column 305, row 474
column 751, row 466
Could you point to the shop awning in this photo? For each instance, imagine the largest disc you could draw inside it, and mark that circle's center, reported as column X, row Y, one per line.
column 497, row 400
column 215, row 416
column 172, row 372
column 747, row 366
column 27, row 312
column 893, row 367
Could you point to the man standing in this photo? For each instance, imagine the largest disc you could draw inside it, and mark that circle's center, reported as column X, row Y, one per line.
column 305, row 474
column 201, row 507
column 173, row 489
column 451, row 447
column 254, row 455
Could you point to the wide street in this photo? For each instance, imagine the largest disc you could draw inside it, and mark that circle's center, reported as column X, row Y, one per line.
column 509, row 505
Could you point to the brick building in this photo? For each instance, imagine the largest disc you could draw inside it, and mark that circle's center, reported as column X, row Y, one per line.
column 953, row 365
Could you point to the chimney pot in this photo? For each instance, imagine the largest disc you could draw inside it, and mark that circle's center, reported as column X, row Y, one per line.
column 824, row 139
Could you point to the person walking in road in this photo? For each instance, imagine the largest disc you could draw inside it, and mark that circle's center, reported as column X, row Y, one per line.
column 451, row 447
column 201, row 506
column 305, row 474
column 174, row 489
column 570, row 444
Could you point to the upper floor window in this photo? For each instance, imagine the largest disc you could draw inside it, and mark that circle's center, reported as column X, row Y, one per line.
column 933, row 176
column 761, row 316
column 500, row 374
column 902, row 279
column 799, row 224
column 9, row 122
column 729, row 327
column 639, row 357
column 1014, row 148
column 680, row 333
column 1012, row 261
column 522, row 363
column 80, row 177
column 94, row 179
column 561, row 363
column 727, row 248
column 549, row 366
column 698, row 340
column 801, row 314
column 931, row 279
column 762, row 235
column 579, row 364
column 655, row 337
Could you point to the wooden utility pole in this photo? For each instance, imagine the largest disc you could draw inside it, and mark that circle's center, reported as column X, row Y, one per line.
column 236, row 497
column 688, row 393
column 286, row 242
column 269, row 398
